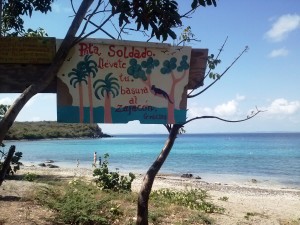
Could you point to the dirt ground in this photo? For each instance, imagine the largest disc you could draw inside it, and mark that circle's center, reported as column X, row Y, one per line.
column 244, row 205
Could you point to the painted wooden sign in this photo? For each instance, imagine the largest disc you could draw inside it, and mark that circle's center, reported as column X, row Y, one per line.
column 27, row 50
column 107, row 81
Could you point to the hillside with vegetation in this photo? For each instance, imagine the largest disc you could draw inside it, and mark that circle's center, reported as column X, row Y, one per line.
column 51, row 129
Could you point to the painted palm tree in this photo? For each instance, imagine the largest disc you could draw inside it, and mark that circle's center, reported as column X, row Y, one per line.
column 78, row 76
column 107, row 88
column 91, row 71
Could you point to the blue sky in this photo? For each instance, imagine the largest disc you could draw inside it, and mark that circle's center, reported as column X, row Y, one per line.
column 266, row 77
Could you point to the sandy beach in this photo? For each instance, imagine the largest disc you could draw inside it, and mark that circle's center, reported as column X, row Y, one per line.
column 246, row 203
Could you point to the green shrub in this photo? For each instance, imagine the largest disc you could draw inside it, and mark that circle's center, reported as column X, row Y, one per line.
column 224, row 198
column 79, row 203
column 107, row 180
column 30, row 177
column 193, row 199
column 15, row 161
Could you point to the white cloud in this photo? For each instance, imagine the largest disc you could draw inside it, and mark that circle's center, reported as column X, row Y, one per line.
column 6, row 101
column 282, row 106
column 283, row 26
column 226, row 109
column 278, row 53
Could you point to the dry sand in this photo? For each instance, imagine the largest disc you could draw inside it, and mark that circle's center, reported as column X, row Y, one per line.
column 264, row 205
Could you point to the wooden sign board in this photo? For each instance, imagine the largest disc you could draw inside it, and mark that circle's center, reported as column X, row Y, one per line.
column 107, row 81
column 27, row 50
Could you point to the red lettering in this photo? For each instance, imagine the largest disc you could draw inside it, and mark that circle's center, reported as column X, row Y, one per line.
column 125, row 52
column 88, row 49
column 108, row 64
column 111, row 52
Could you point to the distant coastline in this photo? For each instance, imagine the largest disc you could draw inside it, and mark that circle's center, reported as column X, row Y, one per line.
column 52, row 130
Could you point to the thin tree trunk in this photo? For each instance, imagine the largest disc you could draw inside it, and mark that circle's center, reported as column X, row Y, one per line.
column 42, row 83
column 6, row 163
column 144, row 194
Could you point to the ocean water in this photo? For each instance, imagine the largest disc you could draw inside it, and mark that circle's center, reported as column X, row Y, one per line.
column 267, row 157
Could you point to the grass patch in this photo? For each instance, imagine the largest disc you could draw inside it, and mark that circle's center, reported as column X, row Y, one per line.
column 224, row 198
column 79, row 203
column 30, row 177
column 195, row 199
column 83, row 202
column 252, row 214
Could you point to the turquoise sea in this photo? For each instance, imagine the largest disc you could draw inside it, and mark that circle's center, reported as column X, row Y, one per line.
column 267, row 157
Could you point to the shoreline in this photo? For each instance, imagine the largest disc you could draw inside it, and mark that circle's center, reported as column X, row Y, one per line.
column 210, row 178
column 162, row 180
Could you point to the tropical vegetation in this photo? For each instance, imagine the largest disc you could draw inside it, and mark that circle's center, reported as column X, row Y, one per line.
column 51, row 129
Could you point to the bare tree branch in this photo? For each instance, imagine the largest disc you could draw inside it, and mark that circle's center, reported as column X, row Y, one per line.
column 245, row 50
column 94, row 31
column 190, row 39
column 253, row 114
column 220, row 50
column 101, row 29
column 89, row 17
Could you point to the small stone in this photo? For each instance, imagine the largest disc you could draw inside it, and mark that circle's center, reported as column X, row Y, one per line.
column 187, row 175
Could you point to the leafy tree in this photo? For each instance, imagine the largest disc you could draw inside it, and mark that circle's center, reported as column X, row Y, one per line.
column 12, row 13
column 154, row 19
column 108, row 88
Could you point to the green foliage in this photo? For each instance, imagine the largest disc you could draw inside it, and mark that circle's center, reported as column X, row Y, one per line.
column 224, row 198
column 47, row 129
column 30, row 177
column 169, row 65
column 106, row 86
column 150, row 64
column 183, row 64
column 14, row 12
column 193, row 199
column 78, row 203
column 186, row 35
column 107, row 180
column 203, row 3
column 15, row 161
column 40, row 32
column 136, row 70
column 83, row 70
column 160, row 16
column 212, row 62
column 3, row 110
